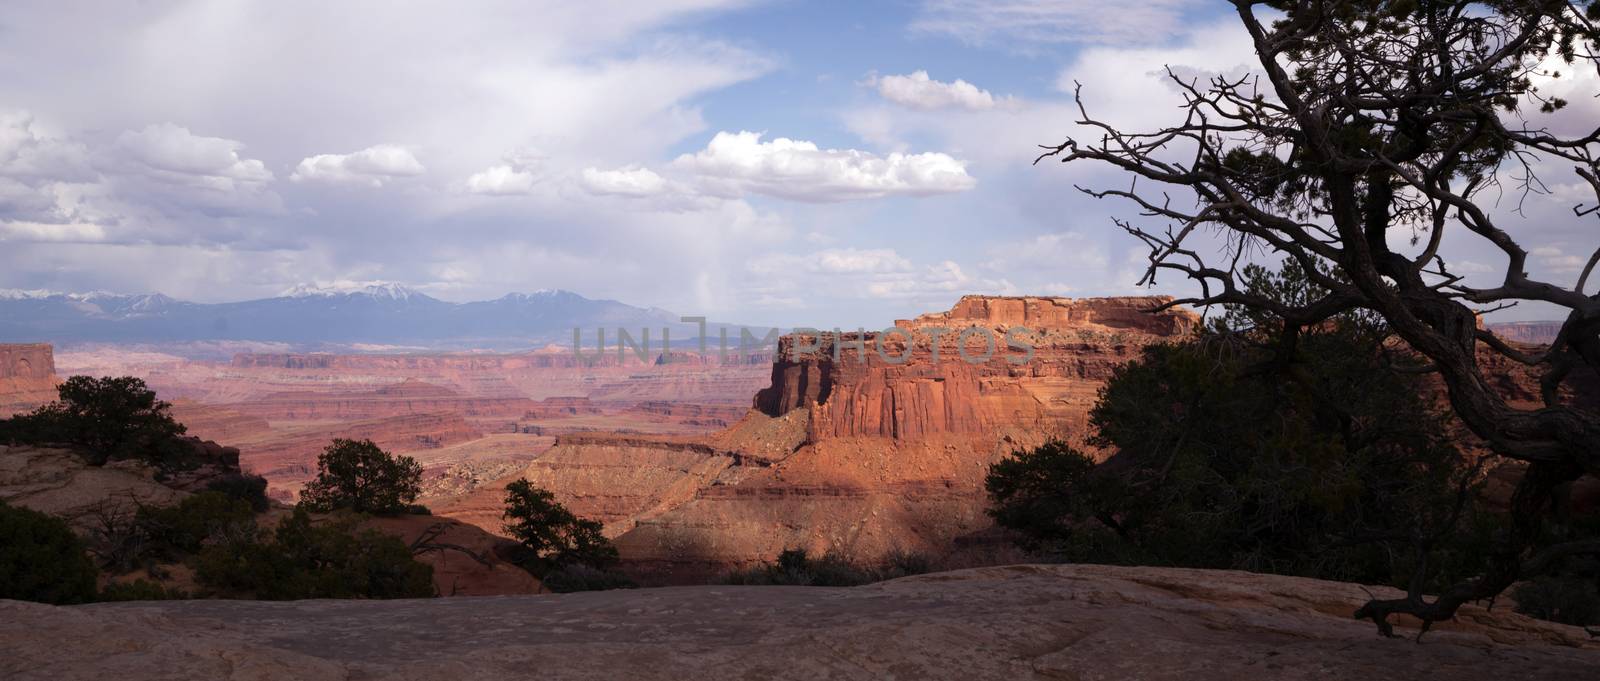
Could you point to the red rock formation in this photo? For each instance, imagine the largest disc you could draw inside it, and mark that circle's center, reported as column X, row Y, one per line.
column 466, row 560
column 406, row 398
column 218, row 423
column 688, row 413
column 992, row 384
column 289, row 458
column 558, row 407
column 1535, row 333
column 27, row 377
column 855, row 451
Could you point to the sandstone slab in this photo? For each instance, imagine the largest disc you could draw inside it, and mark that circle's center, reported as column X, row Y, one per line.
column 1020, row 622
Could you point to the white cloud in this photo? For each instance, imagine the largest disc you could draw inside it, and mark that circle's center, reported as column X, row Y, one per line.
column 371, row 166
column 734, row 164
column 937, row 282
column 631, row 181
column 832, row 261
column 1056, row 251
column 51, row 232
column 501, row 180
column 28, row 152
column 1026, row 24
column 173, row 153
column 917, row 91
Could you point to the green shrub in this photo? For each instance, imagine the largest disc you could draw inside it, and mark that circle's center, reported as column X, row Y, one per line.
column 139, row 590
column 332, row 559
column 199, row 520
column 551, row 536
column 251, row 489
column 358, row 476
column 42, row 560
column 107, row 419
column 1566, row 600
column 579, row 577
column 905, row 564
column 795, row 568
column 1314, row 459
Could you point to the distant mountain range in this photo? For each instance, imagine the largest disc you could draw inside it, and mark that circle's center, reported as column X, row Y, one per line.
column 378, row 313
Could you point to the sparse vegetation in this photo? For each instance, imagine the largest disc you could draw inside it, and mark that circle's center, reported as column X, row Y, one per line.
column 307, row 559
column 580, row 577
column 140, row 590
column 357, row 475
column 172, row 532
column 42, row 560
column 1317, row 460
column 106, row 419
column 251, row 489
column 1369, row 130
column 794, row 567
column 1568, row 600
column 553, row 538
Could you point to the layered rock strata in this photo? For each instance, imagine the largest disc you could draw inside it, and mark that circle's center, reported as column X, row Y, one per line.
column 856, row 451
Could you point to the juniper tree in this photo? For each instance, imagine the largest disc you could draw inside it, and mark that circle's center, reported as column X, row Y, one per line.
column 1369, row 130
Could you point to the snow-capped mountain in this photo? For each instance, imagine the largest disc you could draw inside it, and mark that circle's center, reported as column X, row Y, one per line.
column 325, row 313
column 381, row 290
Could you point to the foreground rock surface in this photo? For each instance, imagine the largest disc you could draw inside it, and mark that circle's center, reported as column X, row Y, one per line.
column 1061, row 622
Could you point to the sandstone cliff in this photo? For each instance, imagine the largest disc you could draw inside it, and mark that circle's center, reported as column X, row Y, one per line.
column 1019, row 622
column 852, row 451
column 27, row 377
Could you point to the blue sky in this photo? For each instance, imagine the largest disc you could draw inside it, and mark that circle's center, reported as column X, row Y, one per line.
column 630, row 150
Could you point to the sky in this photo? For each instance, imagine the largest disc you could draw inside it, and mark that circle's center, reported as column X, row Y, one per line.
column 766, row 162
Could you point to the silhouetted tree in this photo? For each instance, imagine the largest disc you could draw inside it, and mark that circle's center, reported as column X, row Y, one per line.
column 553, row 537
column 357, row 475
column 107, row 418
column 1374, row 128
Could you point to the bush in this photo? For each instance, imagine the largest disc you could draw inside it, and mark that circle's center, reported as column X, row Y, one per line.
column 905, row 564
column 1313, row 459
column 1560, row 599
column 308, row 560
column 579, row 577
column 42, row 560
column 197, row 521
column 795, row 568
column 139, row 590
column 251, row 489
column 551, row 537
column 356, row 475
column 108, row 419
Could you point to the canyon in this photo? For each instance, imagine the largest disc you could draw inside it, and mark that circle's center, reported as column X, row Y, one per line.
column 468, row 418
column 861, row 445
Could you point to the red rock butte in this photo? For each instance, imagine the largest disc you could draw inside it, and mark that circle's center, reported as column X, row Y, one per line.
column 851, row 450
column 27, row 377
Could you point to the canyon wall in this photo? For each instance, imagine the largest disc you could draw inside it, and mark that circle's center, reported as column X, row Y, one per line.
column 856, row 451
column 1536, row 333
column 27, row 377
